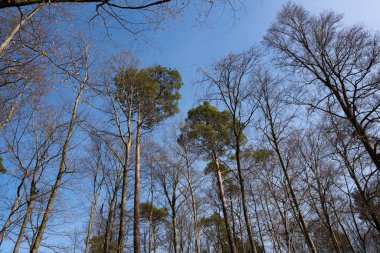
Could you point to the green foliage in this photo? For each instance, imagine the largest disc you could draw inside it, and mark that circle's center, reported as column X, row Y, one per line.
column 127, row 82
column 153, row 92
column 97, row 243
column 209, row 128
column 262, row 155
column 211, row 168
column 213, row 220
column 149, row 212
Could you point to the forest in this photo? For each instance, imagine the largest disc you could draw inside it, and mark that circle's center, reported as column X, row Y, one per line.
column 279, row 151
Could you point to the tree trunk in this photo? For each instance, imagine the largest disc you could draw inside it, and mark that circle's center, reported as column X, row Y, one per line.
column 294, row 199
column 193, row 205
column 243, row 197
column 258, row 222
column 32, row 197
column 89, row 226
column 8, row 39
column 222, row 198
column 154, row 240
column 150, row 234
column 120, row 242
column 233, row 225
column 174, row 224
column 136, row 211
column 110, row 212
column 14, row 208
column 23, row 226
column 93, row 208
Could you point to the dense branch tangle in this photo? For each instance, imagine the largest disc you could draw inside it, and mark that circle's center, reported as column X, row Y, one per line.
column 19, row 3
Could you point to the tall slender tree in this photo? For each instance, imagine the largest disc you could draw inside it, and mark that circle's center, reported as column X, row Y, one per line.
column 155, row 93
column 230, row 83
column 210, row 131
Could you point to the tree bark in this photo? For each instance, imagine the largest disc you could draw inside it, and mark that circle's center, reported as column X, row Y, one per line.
column 154, row 239
column 222, row 198
column 32, row 197
column 89, row 225
column 136, row 211
column 243, row 196
column 4, row 46
column 14, row 208
column 174, row 225
column 193, row 203
column 111, row 212
column 120, row 242
column 94, row 203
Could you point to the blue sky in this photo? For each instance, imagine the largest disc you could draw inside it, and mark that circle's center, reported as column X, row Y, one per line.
column 188, row 45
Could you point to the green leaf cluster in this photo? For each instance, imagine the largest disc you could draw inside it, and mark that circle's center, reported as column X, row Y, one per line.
column 262, row 155
column 209, row 128
column 97, row 243
column 150, row 212
column 211, row 168
column 213, row 220
column 152, row 92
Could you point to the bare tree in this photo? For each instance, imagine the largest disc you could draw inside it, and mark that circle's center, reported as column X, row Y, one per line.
column 274, row 126
column 322, row 179
column 168, row 172
column 42, row 158
column 230, row 84
column 193, row 183
column 341, row 61
column 30, row 162
column 96, row 170
column 79, row 67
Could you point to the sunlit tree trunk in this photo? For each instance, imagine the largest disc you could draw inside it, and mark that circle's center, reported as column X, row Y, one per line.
column 222, row 197
column 111, row 210
column 193, row 201
column 30, row 202
column 14, row 208
column 16, row 29
column 124, row 185
column 96, row 191
column 136, row 211
column 154, row 239
column 247, row 220
column 90, row 223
